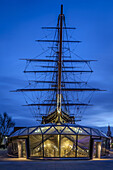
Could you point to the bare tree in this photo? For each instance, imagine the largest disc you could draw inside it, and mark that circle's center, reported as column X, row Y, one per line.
column 5, row 124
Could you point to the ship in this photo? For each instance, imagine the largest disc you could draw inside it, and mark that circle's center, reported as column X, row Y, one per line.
column 58, row 84
column 64, row 77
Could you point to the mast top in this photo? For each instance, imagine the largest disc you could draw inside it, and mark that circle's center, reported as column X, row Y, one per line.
column 61, row 9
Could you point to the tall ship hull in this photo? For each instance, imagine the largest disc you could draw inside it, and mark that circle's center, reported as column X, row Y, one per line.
column 58, row 101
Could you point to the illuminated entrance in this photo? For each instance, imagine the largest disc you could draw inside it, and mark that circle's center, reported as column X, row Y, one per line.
column 97, row 148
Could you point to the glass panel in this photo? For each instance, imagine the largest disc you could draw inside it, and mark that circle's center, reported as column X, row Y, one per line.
column 103, row 134
column 21, row 130
column 97, row 131
column 103, row 150
column 13, row 148
column 67, row 131
column 25, row 132
column 36, row 147
column 15, row 133
column 94, row 150
column 107, row 146
column 94, row 133
column 75, row 129
column 88, row 130
column 52, row 131
column 17, row 145
column 31, row 129
column 82, row 132
column 59, row 128
column 107, row 143
column 37, row 131
column 68, row 145
column 23, row 149
column 83, row 146
column 43, row 129
column 51, row 145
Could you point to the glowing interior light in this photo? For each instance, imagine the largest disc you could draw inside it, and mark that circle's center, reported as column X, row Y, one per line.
column 36, row 131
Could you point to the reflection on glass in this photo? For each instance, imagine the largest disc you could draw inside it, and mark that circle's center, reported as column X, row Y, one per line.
column 36, row 148
column 94, row 150
column 13, row 148
column 23, row 149
column 52, row 131
column 51, row 145
column 87, row 130
column 83, row 146
column 31, row 129
column 103, row 151
column 37, row 131
column 59, row 128
column 94, row 133
column 25, row 132
column 68, row 145
column 75, row 129
column 67, row 131
column 43, row 129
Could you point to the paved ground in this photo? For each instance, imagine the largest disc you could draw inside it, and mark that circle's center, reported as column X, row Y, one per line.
column 7, row 163
column 3, row 153
column 57, row 165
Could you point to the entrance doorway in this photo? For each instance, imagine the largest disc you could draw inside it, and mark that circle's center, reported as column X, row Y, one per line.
column 21, row 148
column 97, row 148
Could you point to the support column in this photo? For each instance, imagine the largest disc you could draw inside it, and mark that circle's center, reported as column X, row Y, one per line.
column 43, row 145
column 98, row 144
column 76, row 145
column 91, row 148
column 27, row 148
column 98, row 149
column 20, row 150
column 59, row 147
column 59, row 66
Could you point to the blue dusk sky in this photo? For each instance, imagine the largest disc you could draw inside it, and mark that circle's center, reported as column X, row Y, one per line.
column 20, row 26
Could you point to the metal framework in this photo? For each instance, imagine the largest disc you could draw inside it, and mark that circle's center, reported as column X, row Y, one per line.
column 77, row 140
column 55, row 129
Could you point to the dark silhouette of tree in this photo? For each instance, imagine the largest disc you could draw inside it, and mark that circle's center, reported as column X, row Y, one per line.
column 5, row 124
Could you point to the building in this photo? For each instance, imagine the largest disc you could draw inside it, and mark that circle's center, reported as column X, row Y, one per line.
column 59, row 141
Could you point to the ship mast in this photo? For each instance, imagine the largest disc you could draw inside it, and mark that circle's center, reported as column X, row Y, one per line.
column 58, row 84
column 59, row 98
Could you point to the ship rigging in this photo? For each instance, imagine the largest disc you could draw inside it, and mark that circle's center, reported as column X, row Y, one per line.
column 61, row 84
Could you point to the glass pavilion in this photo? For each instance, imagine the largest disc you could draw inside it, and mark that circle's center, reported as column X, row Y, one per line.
column 58, row 141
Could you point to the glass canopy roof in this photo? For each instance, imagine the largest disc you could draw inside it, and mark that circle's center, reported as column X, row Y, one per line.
column 56, row 129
